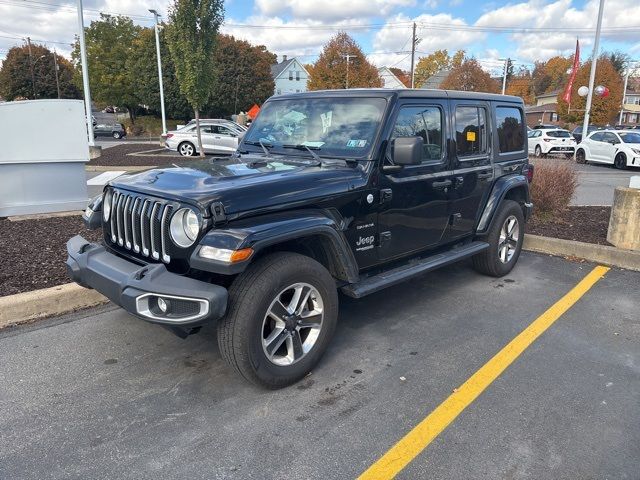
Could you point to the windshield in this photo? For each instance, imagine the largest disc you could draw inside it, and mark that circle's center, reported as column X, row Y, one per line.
column 335, row 126
column 630, row 137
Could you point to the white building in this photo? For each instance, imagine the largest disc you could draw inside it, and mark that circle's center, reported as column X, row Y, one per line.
column 389, row 80
column 289, row 76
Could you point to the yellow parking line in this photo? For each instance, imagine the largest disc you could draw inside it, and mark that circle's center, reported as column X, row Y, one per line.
column 403, row 452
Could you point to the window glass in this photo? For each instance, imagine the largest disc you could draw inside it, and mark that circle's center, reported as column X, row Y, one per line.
column 425, row 122
column 297, row 75
column 598, row 137
column 290, row 74
column 510, row 125
column 610, row 137
column 558, row 134
column 471, row 131
column 630, row 137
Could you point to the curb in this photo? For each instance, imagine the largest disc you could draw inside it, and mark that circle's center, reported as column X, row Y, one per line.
column 24, row 307
column 127, row 168
column 616, row 257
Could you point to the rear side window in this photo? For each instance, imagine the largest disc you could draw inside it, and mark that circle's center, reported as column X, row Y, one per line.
column 510, row 129
column 425, row 122
column 471, row 131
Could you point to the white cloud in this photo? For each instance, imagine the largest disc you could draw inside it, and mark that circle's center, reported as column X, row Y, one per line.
column 393, row 39
column 331, row 10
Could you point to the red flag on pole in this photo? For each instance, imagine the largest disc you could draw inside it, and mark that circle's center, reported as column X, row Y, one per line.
column 576, row 64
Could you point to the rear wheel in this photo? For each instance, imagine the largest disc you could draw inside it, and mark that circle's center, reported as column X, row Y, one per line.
column 620, row 161
column 581, row 157
column 186, row 149
column 538, row 151
column 282, row 314
column 116, row 135
column 505, row 241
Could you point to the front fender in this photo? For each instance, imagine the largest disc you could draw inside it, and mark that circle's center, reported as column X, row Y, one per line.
column 261, row 232
column 500, row 189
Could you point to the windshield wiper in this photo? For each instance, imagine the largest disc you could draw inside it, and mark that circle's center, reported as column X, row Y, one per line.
column 302, row 146
column 265, row 146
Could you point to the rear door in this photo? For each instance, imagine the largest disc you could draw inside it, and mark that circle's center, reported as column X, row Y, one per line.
column 472, row 170
column 414, row 205
column 224, row 139
column 596, row 147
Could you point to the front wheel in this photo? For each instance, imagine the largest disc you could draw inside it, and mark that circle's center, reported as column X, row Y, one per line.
column 505, row 241
column 581, row 157
column 116, row 135
column 282, row 314
column 620, row 161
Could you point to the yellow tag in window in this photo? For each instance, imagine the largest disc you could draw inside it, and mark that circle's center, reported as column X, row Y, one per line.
column 471, row 136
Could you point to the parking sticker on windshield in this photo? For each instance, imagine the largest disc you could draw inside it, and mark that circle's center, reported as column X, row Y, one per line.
column 326, row 121
column 357, row 143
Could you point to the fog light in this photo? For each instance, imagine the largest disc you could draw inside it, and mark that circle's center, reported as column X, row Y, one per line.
column 163, row 305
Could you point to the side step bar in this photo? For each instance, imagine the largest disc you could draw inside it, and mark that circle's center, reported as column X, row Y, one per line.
column 397, row 275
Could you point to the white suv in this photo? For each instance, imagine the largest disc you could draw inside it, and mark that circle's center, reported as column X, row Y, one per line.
column 620, row 148
column 543, row 142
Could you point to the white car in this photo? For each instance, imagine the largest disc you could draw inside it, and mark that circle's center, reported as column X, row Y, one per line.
column 620, row 148
column 543, row 142
column 217, row 138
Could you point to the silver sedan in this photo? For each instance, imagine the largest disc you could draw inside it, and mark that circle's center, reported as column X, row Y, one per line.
column 217, row 138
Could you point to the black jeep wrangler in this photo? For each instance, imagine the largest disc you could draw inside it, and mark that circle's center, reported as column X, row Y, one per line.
column 351, row 190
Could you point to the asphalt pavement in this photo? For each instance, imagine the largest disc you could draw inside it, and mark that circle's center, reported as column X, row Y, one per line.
column 596, row 183
column 100, row 394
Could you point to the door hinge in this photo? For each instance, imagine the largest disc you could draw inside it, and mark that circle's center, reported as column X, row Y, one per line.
column 385, row 195
column 385, row 237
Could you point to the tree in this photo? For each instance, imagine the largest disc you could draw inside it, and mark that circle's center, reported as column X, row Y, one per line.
column 603, row 110
column 521, row 85
column 436, row 62
column 243, row 76
column 192, row 34
column 16, row 80
column 109, row 43
column 470, row 77
column 552, row 74
column 331, row 69
column 143, row 64
column 618, row 59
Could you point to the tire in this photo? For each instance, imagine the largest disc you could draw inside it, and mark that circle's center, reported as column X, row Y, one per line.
column 538, row 151
column 187, row 149
column 253, row 326
column 620, row 161
column 116, row 135
column 492, row 261
column 580, row 156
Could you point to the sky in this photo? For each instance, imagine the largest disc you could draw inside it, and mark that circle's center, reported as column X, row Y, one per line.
column 525, row 31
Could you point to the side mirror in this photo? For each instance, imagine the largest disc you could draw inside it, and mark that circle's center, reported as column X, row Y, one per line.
column 407, row 150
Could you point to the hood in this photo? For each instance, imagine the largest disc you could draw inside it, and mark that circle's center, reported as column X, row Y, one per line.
column 241, row 186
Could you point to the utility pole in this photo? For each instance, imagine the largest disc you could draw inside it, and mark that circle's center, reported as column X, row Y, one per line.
column 414, row 42
column 55, row 69
column 164, row 119
column 592, row 75
column 504, row 75
column 33, row 77
column 85, row 75
column 347, row 57
column 624, row 93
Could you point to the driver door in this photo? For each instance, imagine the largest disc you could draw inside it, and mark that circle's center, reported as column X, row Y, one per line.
column 414, row 200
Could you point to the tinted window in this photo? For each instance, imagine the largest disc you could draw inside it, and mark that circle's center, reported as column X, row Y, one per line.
column 630, row 137
column 510, row 125
column 610, row 137
column 558, row 134
column 598, row 137
column 471, row 131
column 425, row 122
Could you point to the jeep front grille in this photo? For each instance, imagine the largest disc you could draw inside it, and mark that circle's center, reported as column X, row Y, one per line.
column 140, row 224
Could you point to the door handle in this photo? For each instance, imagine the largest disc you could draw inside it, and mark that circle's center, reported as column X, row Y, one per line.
column 442, row 184
column 485, row 175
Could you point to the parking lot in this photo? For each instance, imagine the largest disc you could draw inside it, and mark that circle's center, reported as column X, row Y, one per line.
column 597, row 183
column 99, row 394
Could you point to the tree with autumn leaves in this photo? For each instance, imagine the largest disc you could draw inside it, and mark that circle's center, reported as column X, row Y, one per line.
column 470, row 77
column 436, row 62
column 331, row 70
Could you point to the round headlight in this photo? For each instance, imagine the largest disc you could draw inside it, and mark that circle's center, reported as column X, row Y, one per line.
column 106, row 206
column 184, row 227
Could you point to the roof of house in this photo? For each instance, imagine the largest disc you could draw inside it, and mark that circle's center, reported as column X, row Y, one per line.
column 386, row 72
column 435, row 80
column 553, row 93
column 278, row 68
column 549, row 107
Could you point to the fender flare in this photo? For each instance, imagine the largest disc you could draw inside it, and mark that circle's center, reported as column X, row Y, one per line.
column 500, row 189
column 265, row 231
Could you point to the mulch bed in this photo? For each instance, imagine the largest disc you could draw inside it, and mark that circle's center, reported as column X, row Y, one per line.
column 33, row 252
column 120, row 156
column 583, row 224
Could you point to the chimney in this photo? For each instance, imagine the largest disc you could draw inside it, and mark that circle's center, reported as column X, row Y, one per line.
column 284, row 58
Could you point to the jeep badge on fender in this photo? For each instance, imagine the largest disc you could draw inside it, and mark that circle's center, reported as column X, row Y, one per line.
column 350, row 190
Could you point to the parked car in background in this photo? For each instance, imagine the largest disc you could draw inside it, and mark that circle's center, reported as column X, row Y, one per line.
column 115, row 130
column 577, row 132
column 230, row 123
column 620, row 148
column 543, row 127
column 544, row 142
column 217, row 138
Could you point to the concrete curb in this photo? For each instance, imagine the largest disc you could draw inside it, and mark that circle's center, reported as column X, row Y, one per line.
column 605, row 254
column 24, row 307
column 109, row 168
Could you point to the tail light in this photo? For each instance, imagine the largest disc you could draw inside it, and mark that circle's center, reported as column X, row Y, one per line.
column 527, row 171
column 169, row 135
column 547, row 139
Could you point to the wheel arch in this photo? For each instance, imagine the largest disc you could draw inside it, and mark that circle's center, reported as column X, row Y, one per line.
column 512, row 187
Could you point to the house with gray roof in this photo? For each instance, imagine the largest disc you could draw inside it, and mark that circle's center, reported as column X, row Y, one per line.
column 289, row 76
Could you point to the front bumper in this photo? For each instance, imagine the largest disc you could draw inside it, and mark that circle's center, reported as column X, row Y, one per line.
column 189, row 302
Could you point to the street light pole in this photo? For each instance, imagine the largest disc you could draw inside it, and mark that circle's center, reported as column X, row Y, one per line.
column 33, row 77
column 504, row 75
column 592, row 75
column 164, row 120
column 55, row 69
column 85, row 75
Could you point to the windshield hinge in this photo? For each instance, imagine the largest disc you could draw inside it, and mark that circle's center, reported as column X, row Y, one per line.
column 218, row 213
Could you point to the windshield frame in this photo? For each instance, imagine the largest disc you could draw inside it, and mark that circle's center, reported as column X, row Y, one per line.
column 282, row 150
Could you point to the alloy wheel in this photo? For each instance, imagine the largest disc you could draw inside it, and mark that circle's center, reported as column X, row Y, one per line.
column 186, row 150
column 538, row 151
column 508, row 241
column 292, row 324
